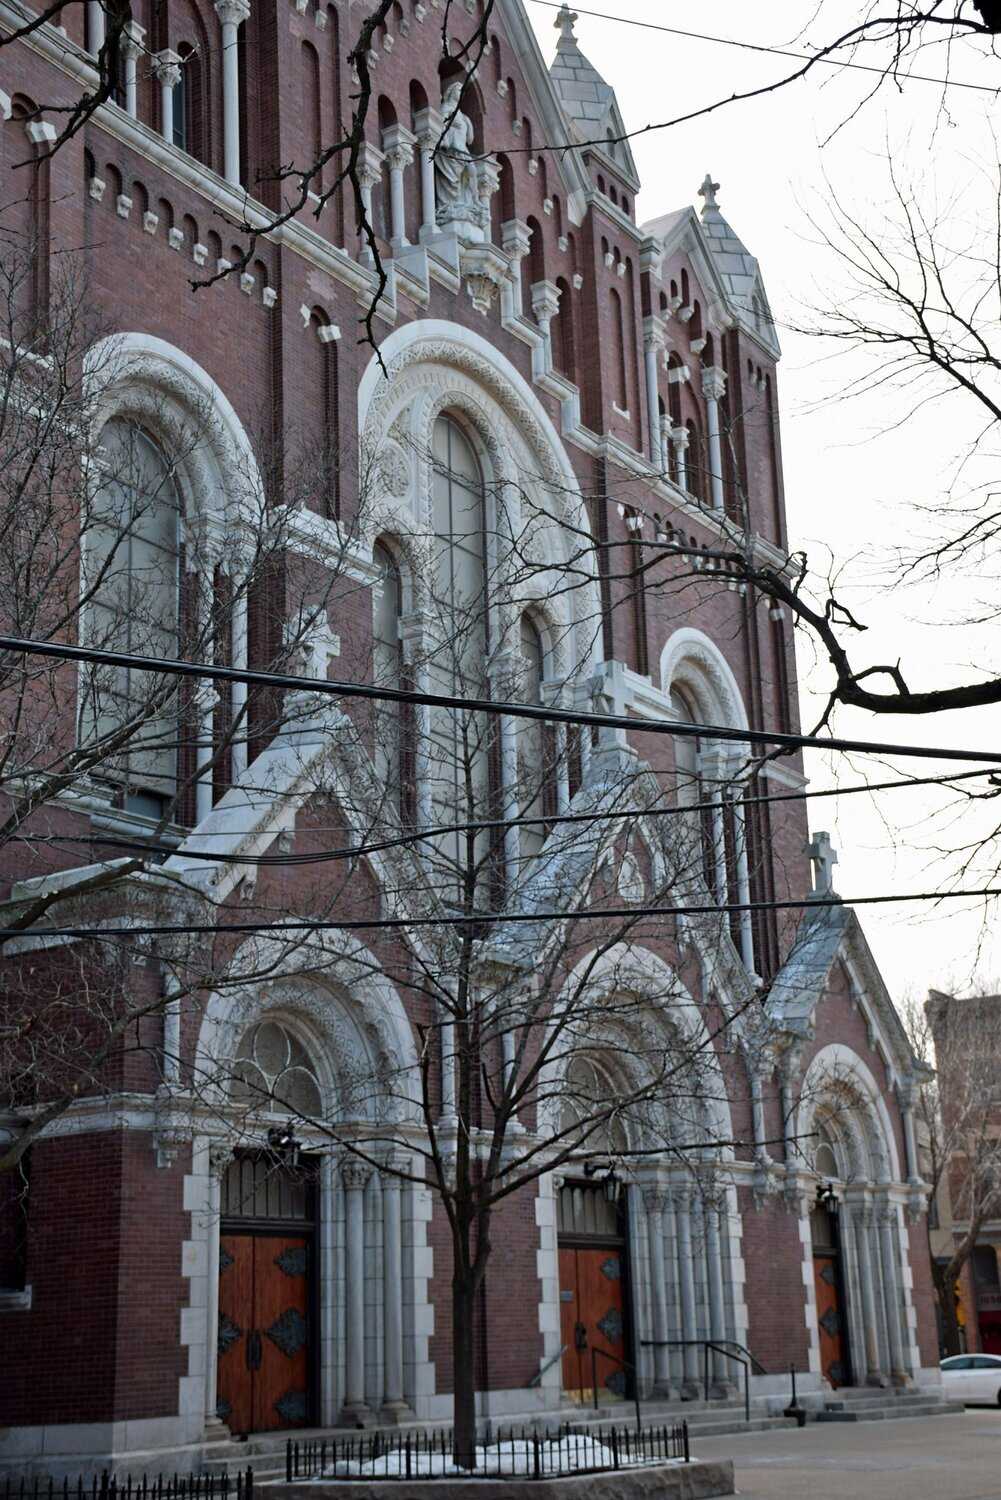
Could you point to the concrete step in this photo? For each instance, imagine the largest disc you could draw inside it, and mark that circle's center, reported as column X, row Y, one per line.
column 896, row 1411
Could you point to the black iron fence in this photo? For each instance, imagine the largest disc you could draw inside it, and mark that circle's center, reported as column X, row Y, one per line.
column 511, row 1454
column 145, row 1487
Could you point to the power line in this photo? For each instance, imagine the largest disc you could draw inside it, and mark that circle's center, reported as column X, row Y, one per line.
column 807, row 57
column 489, row 825
column 486, row 918
column 340, row 689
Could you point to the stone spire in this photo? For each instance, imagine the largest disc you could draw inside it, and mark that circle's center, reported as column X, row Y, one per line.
column 588, row 102
column 737, row 267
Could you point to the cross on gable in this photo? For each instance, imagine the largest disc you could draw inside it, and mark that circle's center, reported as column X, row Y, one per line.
column 825, row 857
column 708, row 191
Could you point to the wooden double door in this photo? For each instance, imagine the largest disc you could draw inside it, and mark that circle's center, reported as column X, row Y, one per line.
column 266, row 1353
column 593, row 1318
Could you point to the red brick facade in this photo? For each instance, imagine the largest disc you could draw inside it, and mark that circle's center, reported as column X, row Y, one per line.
column 119, row 1250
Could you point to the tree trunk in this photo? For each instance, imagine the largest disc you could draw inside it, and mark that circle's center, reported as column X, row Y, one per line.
column 464, row 1364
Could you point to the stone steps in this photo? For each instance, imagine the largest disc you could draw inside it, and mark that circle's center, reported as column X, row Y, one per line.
column 896, row 1410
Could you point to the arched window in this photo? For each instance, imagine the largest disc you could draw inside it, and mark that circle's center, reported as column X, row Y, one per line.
column 394, row 724
column 685, row 296
column 131, row 572
column 536, row 264
column 674, row 368
column 462, row 748
column 695, row 323
column 562, row 332
column 311, row 123
column 696, row 463
column 720, row 834
column 189, row 103
column 273, row 1073
column 620, row 387
column 536, row 746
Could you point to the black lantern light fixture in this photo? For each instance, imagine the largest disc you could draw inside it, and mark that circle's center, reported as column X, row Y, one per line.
column 827, row 1198
column 283, row 1143
column 610, row 1182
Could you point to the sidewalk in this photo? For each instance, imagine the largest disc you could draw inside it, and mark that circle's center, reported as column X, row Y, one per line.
column 937, row 1458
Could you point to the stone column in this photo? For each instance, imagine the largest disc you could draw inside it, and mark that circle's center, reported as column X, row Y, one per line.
column 898, row 1367
column 394, row 1408
column 653, row 348
column 398, row 144
column 220, row 1154
column 679, row 437
column 862, row 1228
column 355, row 1175
column 131, row 45
column 665, row 446
column 545, row 305
column 722, row 1386
column 516, row 239
column 446, row 1029
column 167, row 72
column 96, row 29
column 487, row 182
column 171, row 1031
column 232, row 14
column 713, row 387
column 428, row 123
column 654, row 1201
column 743, row 885
column 369, row 172
column 686, row 1284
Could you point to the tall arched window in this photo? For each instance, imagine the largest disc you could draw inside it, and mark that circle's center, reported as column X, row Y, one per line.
column 394, row 741
column 696, row 463
column 462, row 748
column 536, row 747
column 620, row 387
column 131, row 571
column 561, row 332
column 716, row 821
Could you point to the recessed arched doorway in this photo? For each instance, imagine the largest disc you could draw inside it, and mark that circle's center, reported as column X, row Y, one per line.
column 268, row 1349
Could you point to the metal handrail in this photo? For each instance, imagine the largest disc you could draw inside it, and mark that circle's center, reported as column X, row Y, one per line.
column 740, row 1360
column 537, row 1377
column 733, row 1344
column 626, row 1366
column 705, row 1345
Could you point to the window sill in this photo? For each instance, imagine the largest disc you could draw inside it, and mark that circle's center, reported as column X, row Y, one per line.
column 15, row 1301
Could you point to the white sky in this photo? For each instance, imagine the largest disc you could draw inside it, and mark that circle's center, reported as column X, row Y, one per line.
column 848, row 481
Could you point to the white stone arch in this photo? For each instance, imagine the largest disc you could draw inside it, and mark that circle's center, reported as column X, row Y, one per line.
column 433, row 366
column 840, row 1085
column 690, row 659
column 135, row 374
column 332, row 992
column 673, row 1014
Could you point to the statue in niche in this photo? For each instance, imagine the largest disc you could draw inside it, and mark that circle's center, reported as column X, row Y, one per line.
column 456, row 177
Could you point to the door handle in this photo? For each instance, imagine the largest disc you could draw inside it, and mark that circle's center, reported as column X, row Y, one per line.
column 579, row 1336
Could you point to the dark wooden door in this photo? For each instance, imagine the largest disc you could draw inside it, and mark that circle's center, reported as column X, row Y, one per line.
column 264, row 1331
column 593, row 1317
column 830, row 1320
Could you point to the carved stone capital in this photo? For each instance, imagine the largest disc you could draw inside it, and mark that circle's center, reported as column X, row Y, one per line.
column 232, row 12
column 427, row 124
column 132, row 40
column 680, row 438
column 713, row 383
column 369, row 164
column 398, row 143
column 654, row 334
column 220, row 1154
column 516, row 238
column 166, row 67
column 545, row 300
column 655, row 1200
column 355, row 1174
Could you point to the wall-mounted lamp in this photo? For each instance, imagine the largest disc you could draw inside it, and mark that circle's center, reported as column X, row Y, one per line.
column 827, row 1198
column 610, row 1182
column 282, row 1141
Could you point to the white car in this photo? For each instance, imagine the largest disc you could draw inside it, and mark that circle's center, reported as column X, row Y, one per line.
column 972, row 1377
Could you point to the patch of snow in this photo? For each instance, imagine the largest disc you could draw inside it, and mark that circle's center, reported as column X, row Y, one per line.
column 576, row 1453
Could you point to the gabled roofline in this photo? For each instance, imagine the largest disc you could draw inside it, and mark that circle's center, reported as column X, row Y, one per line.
column 576, row 181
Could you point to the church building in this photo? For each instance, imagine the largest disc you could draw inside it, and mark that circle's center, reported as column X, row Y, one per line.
column 465, row 428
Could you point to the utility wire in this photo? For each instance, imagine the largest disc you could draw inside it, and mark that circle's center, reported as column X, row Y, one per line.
column 365, row 690
column 485, row 918
column 441, row 830
column 808, row 57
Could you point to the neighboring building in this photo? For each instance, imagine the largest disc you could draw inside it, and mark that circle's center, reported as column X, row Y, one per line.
column 625, row 375
column 967, row 1036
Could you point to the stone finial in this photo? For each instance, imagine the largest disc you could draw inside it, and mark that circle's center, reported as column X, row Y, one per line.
column 564, row 24
column 708, row 191
column 825, row 857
